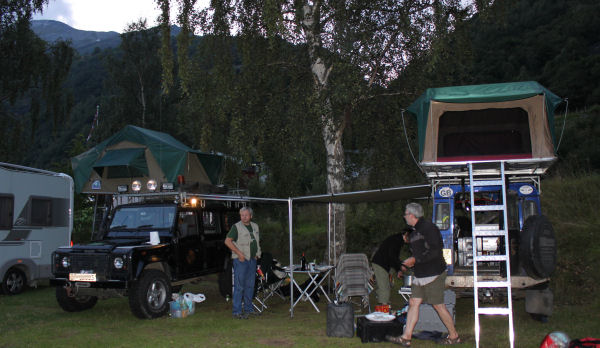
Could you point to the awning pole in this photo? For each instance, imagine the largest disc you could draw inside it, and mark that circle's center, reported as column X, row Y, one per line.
column 291, row 259
column 329, row 235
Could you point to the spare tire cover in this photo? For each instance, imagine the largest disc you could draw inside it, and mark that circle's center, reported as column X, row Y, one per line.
column 537, row 248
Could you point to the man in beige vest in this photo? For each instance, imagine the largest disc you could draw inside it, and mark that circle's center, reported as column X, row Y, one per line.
column 244, row 242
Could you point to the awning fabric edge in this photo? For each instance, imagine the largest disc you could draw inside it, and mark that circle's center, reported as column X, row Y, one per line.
column 378, row 195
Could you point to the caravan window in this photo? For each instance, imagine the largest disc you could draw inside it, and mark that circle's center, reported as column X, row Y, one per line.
column 6, row 212
column 41, row 212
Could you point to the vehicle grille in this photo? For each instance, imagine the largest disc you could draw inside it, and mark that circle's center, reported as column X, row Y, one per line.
column 98, row 263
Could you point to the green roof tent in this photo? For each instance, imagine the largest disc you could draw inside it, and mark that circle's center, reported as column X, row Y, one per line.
column 136, row 153
column 502, row 121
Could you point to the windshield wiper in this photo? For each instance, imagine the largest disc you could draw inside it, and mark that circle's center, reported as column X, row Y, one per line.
column 117, row 227
column 145, row 226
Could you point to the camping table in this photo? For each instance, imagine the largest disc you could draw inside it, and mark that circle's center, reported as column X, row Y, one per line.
column 305, row 293
column 405, row 292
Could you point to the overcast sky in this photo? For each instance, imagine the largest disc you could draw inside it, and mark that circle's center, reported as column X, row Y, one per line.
column 104, row 15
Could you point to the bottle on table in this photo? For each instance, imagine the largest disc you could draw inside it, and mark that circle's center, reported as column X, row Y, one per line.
column 303, row 263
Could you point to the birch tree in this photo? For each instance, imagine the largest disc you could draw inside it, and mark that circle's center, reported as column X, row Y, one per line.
column 353, row 47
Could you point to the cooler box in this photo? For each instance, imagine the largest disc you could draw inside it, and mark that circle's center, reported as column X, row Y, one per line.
column 340, row 320
column 429, row 320
column 375, row 331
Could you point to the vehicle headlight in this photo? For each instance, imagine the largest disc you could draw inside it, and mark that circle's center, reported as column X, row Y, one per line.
column 118, row 263
column 66, row 262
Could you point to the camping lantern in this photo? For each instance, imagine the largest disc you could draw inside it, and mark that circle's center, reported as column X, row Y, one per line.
column 136, row 186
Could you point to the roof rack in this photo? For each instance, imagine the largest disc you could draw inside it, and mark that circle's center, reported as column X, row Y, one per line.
column 514, row 167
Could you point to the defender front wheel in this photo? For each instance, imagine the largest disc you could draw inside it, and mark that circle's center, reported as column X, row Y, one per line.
column 74, row 303
column 149, row 296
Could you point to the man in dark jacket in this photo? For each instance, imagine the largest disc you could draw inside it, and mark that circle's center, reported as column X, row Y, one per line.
column 386, row 261
column 429, row 280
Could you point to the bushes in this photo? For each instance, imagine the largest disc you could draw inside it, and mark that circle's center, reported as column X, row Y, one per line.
column 571, row 205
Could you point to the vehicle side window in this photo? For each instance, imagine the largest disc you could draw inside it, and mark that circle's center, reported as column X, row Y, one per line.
column 6, row 212
column 187, row 224
column 442, row 216
column 529, row 208
column 210, row 221
column 513, row 210
column 41, row 212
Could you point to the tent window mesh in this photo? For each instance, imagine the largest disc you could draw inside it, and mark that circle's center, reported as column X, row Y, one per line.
column 484, row 132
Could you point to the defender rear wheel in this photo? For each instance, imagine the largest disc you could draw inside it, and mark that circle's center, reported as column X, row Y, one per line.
column 74, row 303
column 149, row 296
column 14, row 282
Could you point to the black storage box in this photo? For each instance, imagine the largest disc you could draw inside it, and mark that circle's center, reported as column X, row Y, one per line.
column 375, row 331
column 340, row 320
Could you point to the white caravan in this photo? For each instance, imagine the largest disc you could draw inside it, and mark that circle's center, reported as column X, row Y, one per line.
column 36, row 217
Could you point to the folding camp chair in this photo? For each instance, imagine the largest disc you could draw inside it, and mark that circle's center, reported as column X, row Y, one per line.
column 269, row 282
column 353, row 276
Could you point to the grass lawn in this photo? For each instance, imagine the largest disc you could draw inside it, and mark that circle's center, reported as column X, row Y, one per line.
column 34, row 319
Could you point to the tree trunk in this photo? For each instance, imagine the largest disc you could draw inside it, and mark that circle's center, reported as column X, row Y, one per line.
column 332, row 137
column 332, row 131
column 142, row 99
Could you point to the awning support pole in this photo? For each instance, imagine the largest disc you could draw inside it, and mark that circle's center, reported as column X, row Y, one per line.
column 291, row 258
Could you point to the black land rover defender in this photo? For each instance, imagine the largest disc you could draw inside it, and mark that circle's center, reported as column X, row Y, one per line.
column 125, row 262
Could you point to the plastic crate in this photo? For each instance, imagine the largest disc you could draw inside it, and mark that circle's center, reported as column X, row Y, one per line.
column 429, row 320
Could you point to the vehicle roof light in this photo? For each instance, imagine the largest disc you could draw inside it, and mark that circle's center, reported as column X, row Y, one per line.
column 122, row 188
column 167, row 186
column 136, row 186
column 151, row 185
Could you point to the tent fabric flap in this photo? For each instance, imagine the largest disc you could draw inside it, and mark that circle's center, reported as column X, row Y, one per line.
column 123, row 163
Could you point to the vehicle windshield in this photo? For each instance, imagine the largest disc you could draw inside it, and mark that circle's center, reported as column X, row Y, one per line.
column 137, row 221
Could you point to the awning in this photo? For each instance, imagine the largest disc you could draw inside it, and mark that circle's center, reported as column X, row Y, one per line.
column 380, row 195
column 123, row 163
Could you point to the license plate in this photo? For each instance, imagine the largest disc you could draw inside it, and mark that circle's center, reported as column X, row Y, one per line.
column 82, row 277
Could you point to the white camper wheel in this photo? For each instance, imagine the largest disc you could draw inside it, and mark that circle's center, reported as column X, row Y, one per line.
column 14, row 282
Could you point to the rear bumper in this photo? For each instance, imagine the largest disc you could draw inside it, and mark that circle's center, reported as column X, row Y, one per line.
column 517, row 282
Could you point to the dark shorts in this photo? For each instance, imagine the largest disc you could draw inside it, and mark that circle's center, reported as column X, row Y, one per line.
column 432, row 293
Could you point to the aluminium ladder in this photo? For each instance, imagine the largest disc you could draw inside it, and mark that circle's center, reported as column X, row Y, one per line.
column 480, row 230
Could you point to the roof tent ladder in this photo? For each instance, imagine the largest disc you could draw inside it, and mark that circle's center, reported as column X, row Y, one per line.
column 481, row 230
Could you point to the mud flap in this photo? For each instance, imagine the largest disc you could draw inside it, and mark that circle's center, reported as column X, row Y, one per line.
column 539, row 301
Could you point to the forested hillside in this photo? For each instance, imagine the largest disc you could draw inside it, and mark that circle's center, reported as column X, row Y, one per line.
column 250, row 96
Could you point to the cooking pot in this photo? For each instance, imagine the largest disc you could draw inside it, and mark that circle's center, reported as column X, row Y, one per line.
column 408, row 279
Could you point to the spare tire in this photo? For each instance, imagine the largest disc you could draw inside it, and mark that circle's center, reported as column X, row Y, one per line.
column 537, row 248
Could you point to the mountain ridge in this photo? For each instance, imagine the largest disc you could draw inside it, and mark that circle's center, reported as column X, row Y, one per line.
column 83, row 41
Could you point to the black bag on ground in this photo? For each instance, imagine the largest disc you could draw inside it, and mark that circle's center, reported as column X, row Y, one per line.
column 375, row 331
column 585, row 342
column 340, row 320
